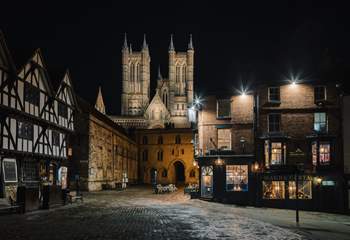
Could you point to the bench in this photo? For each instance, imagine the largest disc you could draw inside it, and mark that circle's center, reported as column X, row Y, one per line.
column 73, row 197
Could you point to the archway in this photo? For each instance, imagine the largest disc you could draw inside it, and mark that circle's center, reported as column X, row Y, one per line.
column 179, row 172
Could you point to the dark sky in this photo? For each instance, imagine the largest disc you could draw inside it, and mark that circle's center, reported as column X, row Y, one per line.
column 251, row 42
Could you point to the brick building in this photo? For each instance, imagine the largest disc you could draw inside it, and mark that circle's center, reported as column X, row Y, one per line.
column 263, row 148
column 225, row 148
column 106, row 157
column 166, row 156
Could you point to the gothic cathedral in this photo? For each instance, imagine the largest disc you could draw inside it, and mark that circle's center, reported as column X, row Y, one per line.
column 173, row 96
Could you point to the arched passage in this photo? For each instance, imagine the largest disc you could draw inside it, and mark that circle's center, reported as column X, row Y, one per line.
column 179, row 172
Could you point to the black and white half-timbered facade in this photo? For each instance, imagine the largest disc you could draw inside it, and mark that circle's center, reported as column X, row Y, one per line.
column 36, row 121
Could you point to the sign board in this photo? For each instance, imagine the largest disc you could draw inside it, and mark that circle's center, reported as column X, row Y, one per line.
column 9, row 167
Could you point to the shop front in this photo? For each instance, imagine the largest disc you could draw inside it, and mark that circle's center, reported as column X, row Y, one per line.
column 228, row 179
column 315, row 192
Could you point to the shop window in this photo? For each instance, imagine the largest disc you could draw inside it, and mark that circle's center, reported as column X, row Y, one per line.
column 62, row 110
column 320, row 93
column 275, row 153
column 274, row 121
column 274, row 94
column 304, row 189
column 160, row 155
column 144, row 140
column 237, row 178
column 178, row 139
column 145, row 155
column 160, row 140
column 223, row 108
column 31, row 94
column 207, row 181
column 273, row 190
column 193, row 173
column 320, row 122
column 25, row 130
column 224, row 139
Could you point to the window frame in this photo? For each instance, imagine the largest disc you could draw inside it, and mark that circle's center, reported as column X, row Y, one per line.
column 62, row 109
column 325, row 93
column 321, row 123
column 230, row 140
column 239, row 176
column 26, row 133
column 269, row 122
column 269, row 95
column 268, row 153
column 316, row 154
column 31, row 94
column 218, row 101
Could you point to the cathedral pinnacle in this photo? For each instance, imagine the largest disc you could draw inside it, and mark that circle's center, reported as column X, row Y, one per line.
column 190, row 44
column 159, row 74
column 171, row 46
column 125, row 45
column 130, row 48
column 144, row 45
column 99, row 105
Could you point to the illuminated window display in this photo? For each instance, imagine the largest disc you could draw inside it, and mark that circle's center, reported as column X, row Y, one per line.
column 237, row 178
column 207, row 181
column 304, row 190
column 273, row 190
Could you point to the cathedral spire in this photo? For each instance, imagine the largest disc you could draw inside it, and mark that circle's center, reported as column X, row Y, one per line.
column 159, row 74
column 190, row 44
column 130, row 48
column 171, row 46
column 144, row 45
column 99, row 105
column 125, row 45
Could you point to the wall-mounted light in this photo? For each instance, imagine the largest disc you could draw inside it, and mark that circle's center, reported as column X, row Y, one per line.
column 318, row 180
column 219, row 161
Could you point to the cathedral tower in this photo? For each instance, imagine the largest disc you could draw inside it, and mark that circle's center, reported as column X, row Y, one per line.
column 136, row 79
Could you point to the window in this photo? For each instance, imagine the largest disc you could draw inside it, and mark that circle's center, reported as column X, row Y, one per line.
column 172, row 152
column 178, row 139
column 62, row 110
column 144, row 140
column 145, row 155
column 193, row 173
column 182, row 151
column 164, row 173
column 275, row 153
column 55, row 138
column 223, row 108
column 224, row 139
column 25, row 130
column 320, row 122
column 274, row 94
column 160, row 155
column 274, row 122
column 320, row 93
column 31, row 94
column 325, row 153
column 273, row 190
column 183, row 106
column 237, row 178
column 304, row 190
column 160, row 140
column 321, row 153
column 30, row 170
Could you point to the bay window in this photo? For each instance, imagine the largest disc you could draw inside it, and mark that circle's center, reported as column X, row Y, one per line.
column 321, row 153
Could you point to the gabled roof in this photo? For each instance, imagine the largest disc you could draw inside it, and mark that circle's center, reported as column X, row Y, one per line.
column 66, row 82
column 156, row 100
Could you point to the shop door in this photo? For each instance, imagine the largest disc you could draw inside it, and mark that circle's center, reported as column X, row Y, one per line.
column 207, row 181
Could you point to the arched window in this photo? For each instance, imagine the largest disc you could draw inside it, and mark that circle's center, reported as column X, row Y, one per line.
column 144, row 140
column 160, row 140
column 178, row 74
column 164, row 173
column 145, row 155
column 160, row 155
column 193, row 173
column 132, row 71
column 165, row 98
column 178, row 139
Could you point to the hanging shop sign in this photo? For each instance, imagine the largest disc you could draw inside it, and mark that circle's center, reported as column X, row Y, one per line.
column 10, row 170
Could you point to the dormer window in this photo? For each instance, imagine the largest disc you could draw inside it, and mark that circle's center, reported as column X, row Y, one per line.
column 320, row 93
column 274, row 94
column 223, row 108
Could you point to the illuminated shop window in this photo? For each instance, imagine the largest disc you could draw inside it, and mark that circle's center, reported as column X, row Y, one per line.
column 237, row 178
column 273, row 190
column 321, row 153
column 304, row 189
column 207, row 181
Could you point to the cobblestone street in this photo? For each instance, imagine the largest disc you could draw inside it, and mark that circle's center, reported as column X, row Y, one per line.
column 139, row 214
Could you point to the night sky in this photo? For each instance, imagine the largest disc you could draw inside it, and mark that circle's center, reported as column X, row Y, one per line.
column 234, row 44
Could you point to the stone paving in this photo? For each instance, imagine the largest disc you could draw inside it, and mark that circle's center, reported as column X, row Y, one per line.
column 139, row 214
